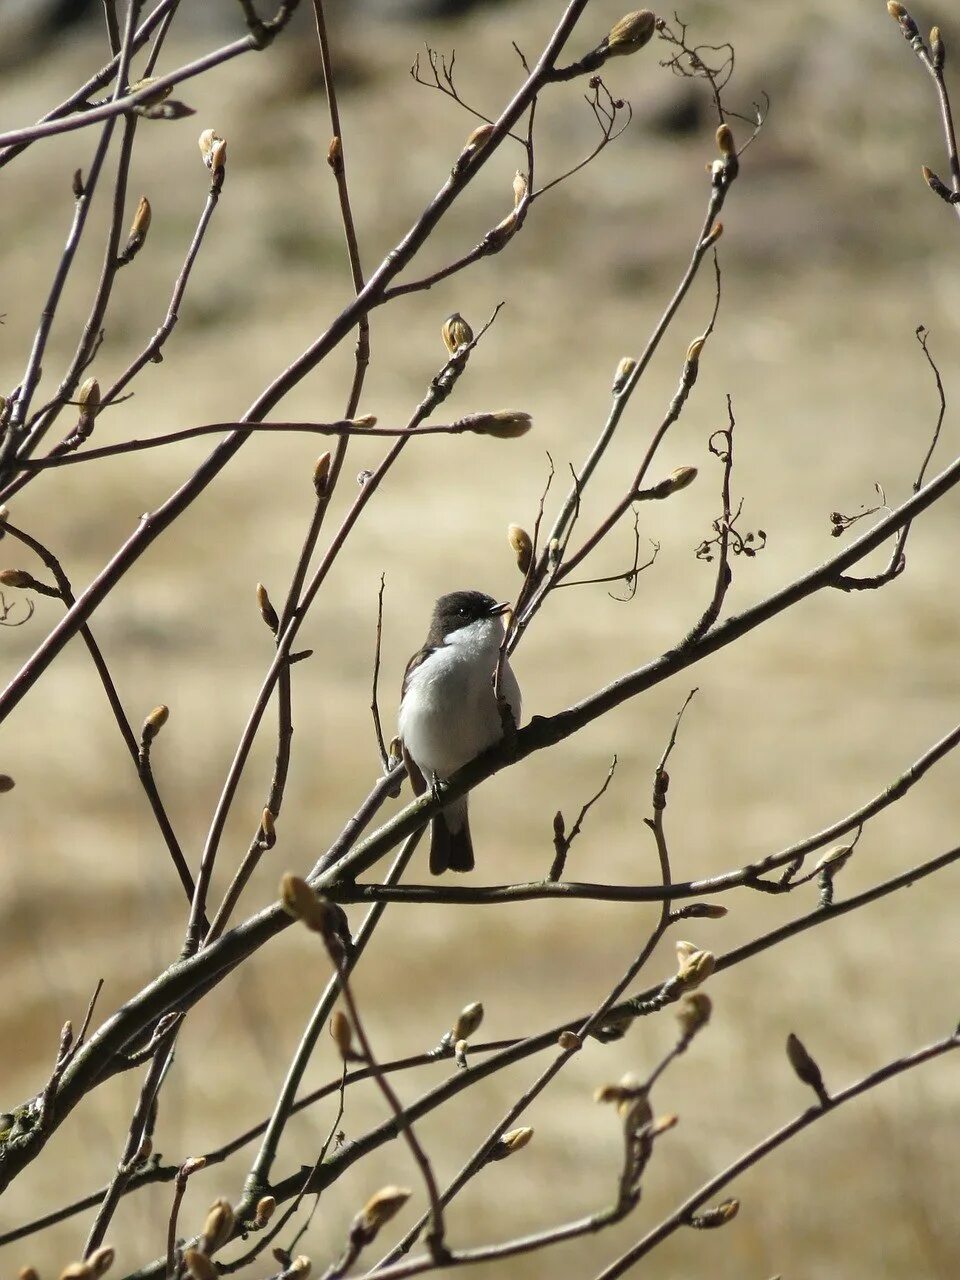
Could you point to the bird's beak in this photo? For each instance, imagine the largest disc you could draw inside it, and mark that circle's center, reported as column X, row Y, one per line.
column 499, row 609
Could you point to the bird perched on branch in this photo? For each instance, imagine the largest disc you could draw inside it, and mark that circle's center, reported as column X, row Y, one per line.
column 449, row 712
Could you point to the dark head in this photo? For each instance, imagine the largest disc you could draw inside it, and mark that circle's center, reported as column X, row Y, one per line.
column 461, row 609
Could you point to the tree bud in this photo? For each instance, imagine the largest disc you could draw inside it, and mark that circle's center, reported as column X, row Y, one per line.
column 342, row 1034
column 456, row 333
column 301, row 902
column 725, row 142
column 6, row 783
column 218, row 1224
column 519, row 188
column 16, row 578
column 624, row 370
column 266, row 1207
column 682, row 478
column 522, row 545
column 381, row 1207
column 631, row 33
column 693, row 1013
column 154, row 722
column 199, row 1265
column 267, row 612
column 505, row 424
column 213, row 151
column 101, row 1260
column 569, row 1040
column 512, row 1141
column 468, row 1020
column 321, row 474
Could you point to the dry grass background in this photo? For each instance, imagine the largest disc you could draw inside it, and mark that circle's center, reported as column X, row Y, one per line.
column 833, row 253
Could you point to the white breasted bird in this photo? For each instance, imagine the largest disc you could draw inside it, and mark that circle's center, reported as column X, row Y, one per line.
column 448, row 710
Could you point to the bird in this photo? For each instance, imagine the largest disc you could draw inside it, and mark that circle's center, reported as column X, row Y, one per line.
column 448, row 710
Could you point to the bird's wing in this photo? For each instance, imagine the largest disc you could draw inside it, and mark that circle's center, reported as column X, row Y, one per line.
column 419, row 657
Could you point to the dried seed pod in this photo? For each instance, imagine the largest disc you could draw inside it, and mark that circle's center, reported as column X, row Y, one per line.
column 631, row 33
column 522, row 545
column 342, row 1033
column 456, row 333
column 693, row 1013
column 218, row 1224
column 468, row 1020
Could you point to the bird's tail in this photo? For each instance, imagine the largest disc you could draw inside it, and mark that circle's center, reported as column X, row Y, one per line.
column 451, row 848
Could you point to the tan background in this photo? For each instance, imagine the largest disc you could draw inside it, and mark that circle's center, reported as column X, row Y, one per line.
column 833, row 253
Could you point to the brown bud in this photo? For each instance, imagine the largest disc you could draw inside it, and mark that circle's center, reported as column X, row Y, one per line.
column 267, row 612
column 218, row 1224
column 321, row 474
column 213, row 150
column 631, row 33
column 693, row 1013
column 938, row 52
column 6, row 783
column 712, row 236
column 199, row 1265
column 624, row 370
column 154, row 722
column 511, row 1142
column 193, row 1164
column 88, row 397
column 896, row 10
column 522, row 545
column 468, row 1020
column 101, row 1260
column 505, row 424
column 702, row 911
column 725, row 142
column 300, row 1266
column 456, row 333
column 301, row 902
column 682, row 478
column 335, row 153
column 804, row 1066
column 16, row 578
column 519, row 189
column 718, row 1216
column 76, row 1271
column 138, row 230
column 27, row 1273
column 663, row 1123
column 342, row 1033
column 569, row 1040
column 694, row 349
column 834, row 858
column 478, row 138
column 382, row 1206
column 266, row 1207
column 696, row 969
column 268, row 827
column 498, row 236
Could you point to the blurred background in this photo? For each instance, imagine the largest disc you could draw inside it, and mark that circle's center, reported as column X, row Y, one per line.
column 833, row 253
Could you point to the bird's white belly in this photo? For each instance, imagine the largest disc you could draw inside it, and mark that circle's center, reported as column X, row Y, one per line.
column 453, row 715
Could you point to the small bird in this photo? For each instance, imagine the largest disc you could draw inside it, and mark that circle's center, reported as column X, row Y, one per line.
column 448, row 710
